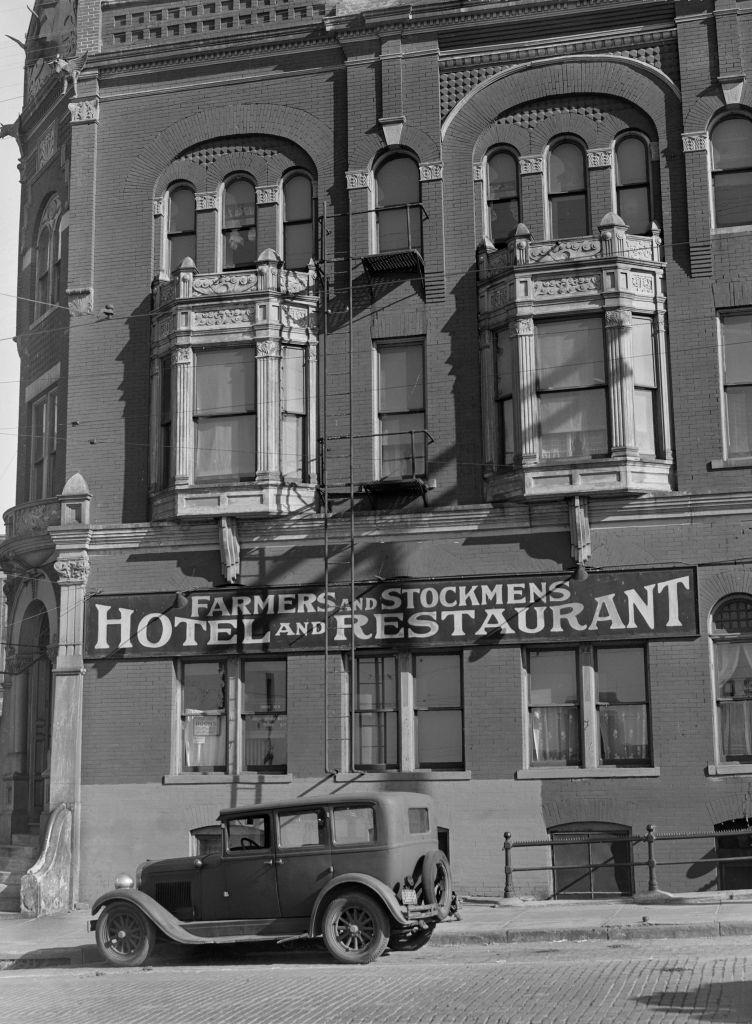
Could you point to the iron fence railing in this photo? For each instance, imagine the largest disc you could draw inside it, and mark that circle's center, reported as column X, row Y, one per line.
column 649, row 861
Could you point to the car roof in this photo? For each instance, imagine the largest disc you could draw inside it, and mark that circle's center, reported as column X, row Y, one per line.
column 397, row 799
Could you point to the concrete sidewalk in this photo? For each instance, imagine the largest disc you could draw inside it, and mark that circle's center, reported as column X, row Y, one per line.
column 63, row 940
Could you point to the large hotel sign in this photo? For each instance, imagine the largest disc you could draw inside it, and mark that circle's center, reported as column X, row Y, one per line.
column 438, row 612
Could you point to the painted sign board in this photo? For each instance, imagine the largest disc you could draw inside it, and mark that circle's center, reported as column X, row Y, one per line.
column 489, row 610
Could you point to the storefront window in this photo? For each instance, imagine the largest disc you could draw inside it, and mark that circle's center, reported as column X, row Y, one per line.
column 204, row 716
column 265, row 716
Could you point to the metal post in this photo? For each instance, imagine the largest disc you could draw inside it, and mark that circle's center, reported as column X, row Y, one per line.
column 508, row 886
column 652, row 880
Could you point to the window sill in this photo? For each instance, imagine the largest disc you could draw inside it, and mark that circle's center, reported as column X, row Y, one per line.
column 222, row 779
column 395, row 776
column 729, row 769
column 228, row 499
column 616, row 474
column 741, row 463
column 733, row 229
column 603, row 772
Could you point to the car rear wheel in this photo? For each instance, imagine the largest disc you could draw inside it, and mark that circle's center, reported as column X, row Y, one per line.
column 125, row 935
column 436, row 879
column 407, row 941
column 355, row 928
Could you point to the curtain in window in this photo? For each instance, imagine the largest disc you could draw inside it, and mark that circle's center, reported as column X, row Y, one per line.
column 204, row 740
column 624, row 734
column 556, row 735
column 733, row 663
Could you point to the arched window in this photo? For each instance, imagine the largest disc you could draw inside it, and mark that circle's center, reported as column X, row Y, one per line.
column 181, row 226
column 633, row 184
column 731, row 158
column 239, row 225
column 297, row 221
column 398, row 210
column 502, row 196
column 567, row 191
column 48, row 257
column 731, row 629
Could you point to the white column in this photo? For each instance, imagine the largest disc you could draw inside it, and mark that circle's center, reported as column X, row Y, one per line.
column 526, row 408
column 620, row 380
column 182, row 415
column 268, row 358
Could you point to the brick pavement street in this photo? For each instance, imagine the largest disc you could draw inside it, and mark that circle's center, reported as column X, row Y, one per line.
column 656, row 982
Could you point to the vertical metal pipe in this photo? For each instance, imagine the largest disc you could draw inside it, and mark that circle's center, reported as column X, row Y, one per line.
column 351, row 459
column 508, row 886
column 652, row 879
column 324, row 478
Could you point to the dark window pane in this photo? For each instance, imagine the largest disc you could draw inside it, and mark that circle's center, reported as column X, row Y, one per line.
column 182, row 211
column 734, row 616
column 634, row 208
column 566, row 168
column 631, row 162
column 298, row 198
column 739, row 414
column 502, row 176
column 737, row 349
column 240, row 248
column 298, row 245
column 225, row 382
column 733, row 198
column 553, row 678
column 569, row 353
column 503, row 216
column 264, row 687
column 621, row 675
column 239, row 208
column 569, row 216
column 731, row 144
column 182, row 247
column 353, row 825
column 401, row 378
column 397, row 182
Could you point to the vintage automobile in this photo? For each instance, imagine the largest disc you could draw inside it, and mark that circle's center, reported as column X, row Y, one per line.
column 362, row 872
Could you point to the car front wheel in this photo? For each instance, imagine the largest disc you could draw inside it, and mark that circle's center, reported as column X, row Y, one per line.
column 125, row 935
column 355, row 928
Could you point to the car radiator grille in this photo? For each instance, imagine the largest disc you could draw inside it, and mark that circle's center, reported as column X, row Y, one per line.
column 175, row 897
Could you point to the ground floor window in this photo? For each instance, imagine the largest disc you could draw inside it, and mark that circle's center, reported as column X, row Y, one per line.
column 731, row 629
column 408, row 712
column 234, row 715
column 587, row 706
column 591, row 860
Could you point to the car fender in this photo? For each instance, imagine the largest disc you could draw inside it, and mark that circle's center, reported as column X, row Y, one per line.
column 374, row 885
column 163, row 919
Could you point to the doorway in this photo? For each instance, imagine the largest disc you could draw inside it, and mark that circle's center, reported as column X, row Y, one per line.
column 34, row 643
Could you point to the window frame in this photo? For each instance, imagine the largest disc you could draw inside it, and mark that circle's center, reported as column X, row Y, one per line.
column 489, row 202
column 181, row 234
column 234, row 668
column 408, row 207
column 717, row 635
column 224, row 231
column 42, row 464
column 48, row 264
column 714, row 173
column 406, row 710
column 738, row 313
column 250, row 412
column 285, row 222
column 420, row 447
column 578, row 143
column 647, row 184
column 591, row 759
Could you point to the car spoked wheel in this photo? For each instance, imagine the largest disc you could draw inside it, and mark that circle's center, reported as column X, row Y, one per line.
column 355, row 928
column 125, row 935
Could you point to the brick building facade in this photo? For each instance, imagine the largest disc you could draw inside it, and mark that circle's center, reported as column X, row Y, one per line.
column 414, row 338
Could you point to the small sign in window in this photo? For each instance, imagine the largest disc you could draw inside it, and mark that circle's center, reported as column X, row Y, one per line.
column 206, row 726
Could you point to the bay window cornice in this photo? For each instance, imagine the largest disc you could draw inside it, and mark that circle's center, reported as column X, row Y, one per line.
column 613, row 278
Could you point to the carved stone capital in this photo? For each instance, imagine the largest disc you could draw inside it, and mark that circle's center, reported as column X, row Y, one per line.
column 531, row 164
column 694, row 142
column 599, row 158
column 82, row 111
column 618, row 318
column 181, row 356
column 207, row 201
column 521, row 326
column 358, row 179
column 267, row 195
column 80, row 301
column 431, row 172
column 268, row 348
column 157, row 207
column 477, row 172
column 73, row 570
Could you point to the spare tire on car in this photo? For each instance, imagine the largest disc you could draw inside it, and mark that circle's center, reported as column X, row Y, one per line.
column 436, row 880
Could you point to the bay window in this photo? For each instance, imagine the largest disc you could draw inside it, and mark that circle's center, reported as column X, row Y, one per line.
column 234, row 716
column 408, row 712
column 731, row 631
column 224, row 414
column 571, row 385
column 587, row 707
column 401, row 408
column 736, row 353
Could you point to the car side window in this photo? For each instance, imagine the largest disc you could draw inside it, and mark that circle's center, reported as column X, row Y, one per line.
column 248, row 833
column 308, row 828
column 353, row 825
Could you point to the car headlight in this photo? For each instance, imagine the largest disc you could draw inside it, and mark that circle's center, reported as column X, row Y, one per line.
column 124, row 882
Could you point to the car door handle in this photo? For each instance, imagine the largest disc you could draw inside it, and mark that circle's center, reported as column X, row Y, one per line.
column 280, row 860
column 269, row 862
